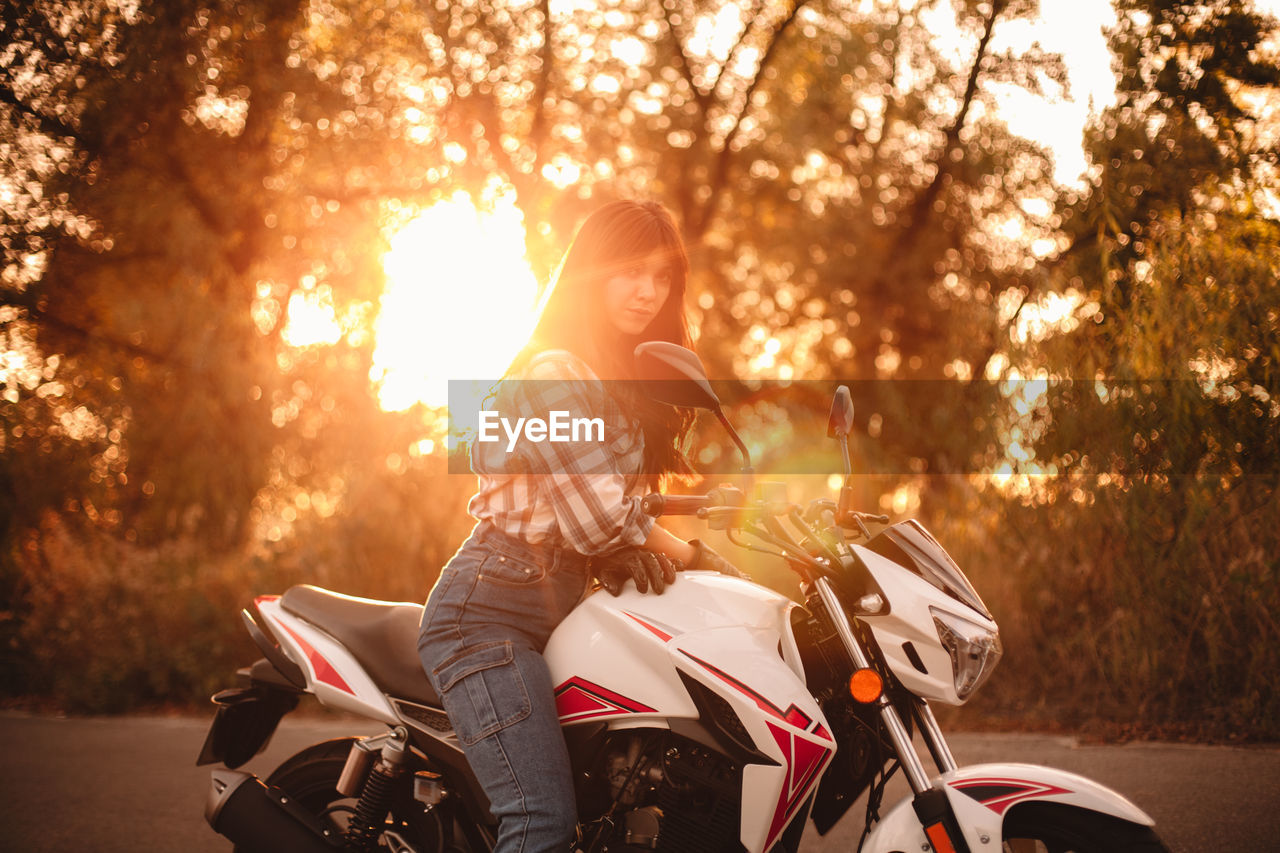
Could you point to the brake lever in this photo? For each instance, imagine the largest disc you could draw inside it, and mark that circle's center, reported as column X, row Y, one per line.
column 729, row 509
column 859, row 520
column 722, row 517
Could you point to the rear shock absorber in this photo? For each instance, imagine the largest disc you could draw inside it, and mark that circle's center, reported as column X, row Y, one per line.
column 375, row 800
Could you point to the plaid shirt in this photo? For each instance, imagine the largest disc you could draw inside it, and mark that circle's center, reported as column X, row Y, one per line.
column 585, row 494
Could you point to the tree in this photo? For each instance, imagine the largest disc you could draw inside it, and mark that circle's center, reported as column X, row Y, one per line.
column 182, row 173
column 1163, row 568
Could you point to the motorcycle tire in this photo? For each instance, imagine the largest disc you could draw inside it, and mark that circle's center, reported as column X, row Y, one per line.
column 1050, row 828
column 311, row 778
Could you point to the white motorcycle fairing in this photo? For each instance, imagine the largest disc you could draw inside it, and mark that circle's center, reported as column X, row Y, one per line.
column 908, row 623
column 333, row 674
column 981, row 795
column 619, row 660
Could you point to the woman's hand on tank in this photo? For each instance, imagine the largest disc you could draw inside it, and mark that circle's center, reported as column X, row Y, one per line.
column 647, row 568
column 707, row 560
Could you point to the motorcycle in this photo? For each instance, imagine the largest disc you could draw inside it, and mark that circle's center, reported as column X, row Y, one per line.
column 720, row 716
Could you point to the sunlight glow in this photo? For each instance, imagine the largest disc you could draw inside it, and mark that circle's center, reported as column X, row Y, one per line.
column 629, row 50
column 562, row 171
column 715, row 34
column 1049, row 315
column 1054, row 119
column 459, row 301
column 312, row 318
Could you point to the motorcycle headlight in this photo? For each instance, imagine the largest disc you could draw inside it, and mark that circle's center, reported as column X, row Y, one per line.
column 974, row 650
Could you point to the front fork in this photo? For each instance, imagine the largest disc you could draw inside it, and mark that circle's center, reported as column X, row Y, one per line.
column 931, row 804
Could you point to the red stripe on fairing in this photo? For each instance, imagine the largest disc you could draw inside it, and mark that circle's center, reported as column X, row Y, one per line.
column 804, row 762
column 797, row 718
column 792, row 715
column 657, row 632
column 264, row 598
column 579, row 699
column 324, row 670
column 804, row 759
column 1024, row 791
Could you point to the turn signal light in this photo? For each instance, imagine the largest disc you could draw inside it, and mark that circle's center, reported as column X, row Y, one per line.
column 865, row 686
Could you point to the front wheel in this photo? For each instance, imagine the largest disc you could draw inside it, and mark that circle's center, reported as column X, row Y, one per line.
column 310, row 778
column 1051, row 828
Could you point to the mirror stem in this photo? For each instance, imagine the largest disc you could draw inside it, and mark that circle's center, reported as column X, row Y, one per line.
column 846, row 492
column 747, row 468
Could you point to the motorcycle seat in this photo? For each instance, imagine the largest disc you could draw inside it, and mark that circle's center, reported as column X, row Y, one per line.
column 381, row 635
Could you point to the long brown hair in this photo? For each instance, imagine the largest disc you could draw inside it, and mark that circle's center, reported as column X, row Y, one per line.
column 571, row 317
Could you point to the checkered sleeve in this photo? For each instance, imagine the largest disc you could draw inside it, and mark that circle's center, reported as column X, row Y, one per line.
column 580, row 478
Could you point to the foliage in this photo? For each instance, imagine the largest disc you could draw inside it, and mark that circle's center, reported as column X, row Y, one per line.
column 1157, row 584
column 109, row 626
column 178, row 176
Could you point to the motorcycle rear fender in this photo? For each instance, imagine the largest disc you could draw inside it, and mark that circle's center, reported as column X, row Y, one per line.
column 982, row 795
column 335, row 677
column 246, row 719
column 249, row 713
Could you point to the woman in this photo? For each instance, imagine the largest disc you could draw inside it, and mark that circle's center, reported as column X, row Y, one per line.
column 553, row 515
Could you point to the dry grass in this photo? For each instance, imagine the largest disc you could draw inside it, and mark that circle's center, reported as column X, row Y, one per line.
column 1148, row 613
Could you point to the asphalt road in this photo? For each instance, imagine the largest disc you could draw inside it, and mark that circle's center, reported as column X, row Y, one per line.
column 130, row 785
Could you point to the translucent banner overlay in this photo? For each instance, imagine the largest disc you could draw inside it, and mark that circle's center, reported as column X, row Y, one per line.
column 1187, row 427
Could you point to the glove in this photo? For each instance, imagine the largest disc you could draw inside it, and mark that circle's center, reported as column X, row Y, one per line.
column 706, row 560
column 641, row 565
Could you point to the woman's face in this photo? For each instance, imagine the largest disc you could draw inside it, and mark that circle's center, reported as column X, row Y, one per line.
column 633, row 297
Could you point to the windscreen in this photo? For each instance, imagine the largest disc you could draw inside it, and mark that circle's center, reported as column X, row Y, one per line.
column 908, row 544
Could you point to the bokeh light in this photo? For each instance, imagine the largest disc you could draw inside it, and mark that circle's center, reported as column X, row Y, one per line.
column 459, row 300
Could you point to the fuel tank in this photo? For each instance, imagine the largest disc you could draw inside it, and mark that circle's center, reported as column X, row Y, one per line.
column 619, row 660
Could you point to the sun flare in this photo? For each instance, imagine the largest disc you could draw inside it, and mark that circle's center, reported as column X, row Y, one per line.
column 459, row 301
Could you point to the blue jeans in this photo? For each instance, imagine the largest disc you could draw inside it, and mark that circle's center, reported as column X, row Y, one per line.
column 483, row 630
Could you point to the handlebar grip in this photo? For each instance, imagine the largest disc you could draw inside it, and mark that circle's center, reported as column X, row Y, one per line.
column 657, row 504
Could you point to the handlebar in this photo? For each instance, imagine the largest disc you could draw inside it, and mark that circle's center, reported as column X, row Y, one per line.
column 657, row 504
column 727, row 506
column 722, row 496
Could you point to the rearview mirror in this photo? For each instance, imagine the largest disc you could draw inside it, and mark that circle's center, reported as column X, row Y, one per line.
column 840, row 423
column 673, row 375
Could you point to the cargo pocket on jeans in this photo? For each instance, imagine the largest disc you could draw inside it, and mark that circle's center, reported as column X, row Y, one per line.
column 483, row 691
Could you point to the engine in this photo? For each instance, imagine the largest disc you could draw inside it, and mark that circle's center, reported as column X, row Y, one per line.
column 657, row 790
